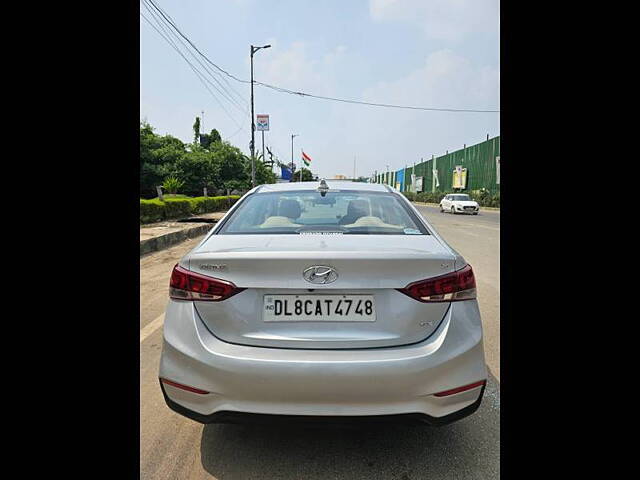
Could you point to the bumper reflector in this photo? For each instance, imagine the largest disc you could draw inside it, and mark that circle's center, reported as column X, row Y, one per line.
column 183, row 387
column 460, row 389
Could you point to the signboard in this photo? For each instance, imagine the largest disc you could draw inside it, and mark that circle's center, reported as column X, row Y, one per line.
column 459, row 177
column 419, row 184
column 498, row 170
column 285, row 173
column 262, row 123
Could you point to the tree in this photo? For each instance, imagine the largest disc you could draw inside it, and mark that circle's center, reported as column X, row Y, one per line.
column 264, row 173
column 218, row 166
column 207, row 139
column 196, row 130
column 232, row 166
column 197, row 169
column 307, row 176
column 214, row 136
column 271, row 160
column 158, row 156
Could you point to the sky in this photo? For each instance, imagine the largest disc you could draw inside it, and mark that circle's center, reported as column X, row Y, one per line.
column 427, row 53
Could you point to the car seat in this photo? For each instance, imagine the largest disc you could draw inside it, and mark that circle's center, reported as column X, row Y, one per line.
column 355, row 210
column 290, row 209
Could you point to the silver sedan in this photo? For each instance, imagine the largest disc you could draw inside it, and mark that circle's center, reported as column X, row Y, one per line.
column 321, row 301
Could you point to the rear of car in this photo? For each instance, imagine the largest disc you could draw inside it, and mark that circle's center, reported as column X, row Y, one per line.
column 336, row 302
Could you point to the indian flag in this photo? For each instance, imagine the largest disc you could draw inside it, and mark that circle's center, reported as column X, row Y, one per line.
column 306, row 159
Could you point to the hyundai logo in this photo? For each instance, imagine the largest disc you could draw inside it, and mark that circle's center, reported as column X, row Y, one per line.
column 320, row 274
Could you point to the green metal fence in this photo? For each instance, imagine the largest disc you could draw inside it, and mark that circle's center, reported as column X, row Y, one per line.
column 480, row 160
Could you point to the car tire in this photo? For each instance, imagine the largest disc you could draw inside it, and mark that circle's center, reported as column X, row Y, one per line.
column 475, row 213
column 453, row 210
column 441, row 209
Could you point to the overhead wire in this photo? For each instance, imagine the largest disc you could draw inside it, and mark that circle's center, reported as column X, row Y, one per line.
column 321, row 97
column 199, row 74
column 224, row 93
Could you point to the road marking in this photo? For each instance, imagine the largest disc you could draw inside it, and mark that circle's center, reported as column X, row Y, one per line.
column 151, row 327
column 475, row 225
column 486, row 226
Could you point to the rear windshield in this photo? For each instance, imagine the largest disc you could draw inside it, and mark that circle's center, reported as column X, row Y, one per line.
column 460, row 197
column 338, row 212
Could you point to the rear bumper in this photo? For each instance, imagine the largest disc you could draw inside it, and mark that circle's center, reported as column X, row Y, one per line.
column 225, row 416
column 365, row 383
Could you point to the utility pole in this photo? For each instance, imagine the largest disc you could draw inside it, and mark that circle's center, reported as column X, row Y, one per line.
column 354, row 168
column 202, row 124
column 253, row 125
column 292, row 137
column 263, row 158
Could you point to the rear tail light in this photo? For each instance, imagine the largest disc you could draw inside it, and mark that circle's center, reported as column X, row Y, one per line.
column 452, row 287
column 183, row 387
column 461, row 389
column 186, row 285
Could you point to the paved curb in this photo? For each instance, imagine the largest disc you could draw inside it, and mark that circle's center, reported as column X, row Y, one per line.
column 165, row 241
column 437, row 205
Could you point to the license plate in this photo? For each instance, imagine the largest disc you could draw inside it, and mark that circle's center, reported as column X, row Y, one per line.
column 319, row 308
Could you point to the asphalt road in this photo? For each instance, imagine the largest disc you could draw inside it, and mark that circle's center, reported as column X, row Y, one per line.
column 173, row 447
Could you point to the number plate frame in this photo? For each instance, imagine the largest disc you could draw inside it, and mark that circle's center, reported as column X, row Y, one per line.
column 332, row 308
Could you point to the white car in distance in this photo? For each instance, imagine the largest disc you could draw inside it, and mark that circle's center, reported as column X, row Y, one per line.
column 459, row 203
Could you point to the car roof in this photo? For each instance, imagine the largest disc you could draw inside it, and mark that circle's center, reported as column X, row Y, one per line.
column 332, row 184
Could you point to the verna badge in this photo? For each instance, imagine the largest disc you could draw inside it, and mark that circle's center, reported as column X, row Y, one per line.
column 320, row 274
column 220, row 267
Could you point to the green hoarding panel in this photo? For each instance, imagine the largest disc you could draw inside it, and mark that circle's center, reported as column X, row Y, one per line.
column 479, row 160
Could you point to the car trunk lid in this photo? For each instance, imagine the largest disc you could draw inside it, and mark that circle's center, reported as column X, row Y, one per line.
column 367, row 267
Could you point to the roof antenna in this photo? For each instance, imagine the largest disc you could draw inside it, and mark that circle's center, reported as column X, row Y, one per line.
column 323, row 188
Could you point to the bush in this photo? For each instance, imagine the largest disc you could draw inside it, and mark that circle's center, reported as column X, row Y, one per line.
column 177, row 207
column 172, row 184
column 429, row 197
column 494, row 201
column 151, row 210
column 212, row 204
column 172, row 208
column 175, row 195
column 410, row 196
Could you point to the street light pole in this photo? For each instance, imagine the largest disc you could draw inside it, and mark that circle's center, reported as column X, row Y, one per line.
column 292, row 137
column 253, row 125
column 263, row 158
